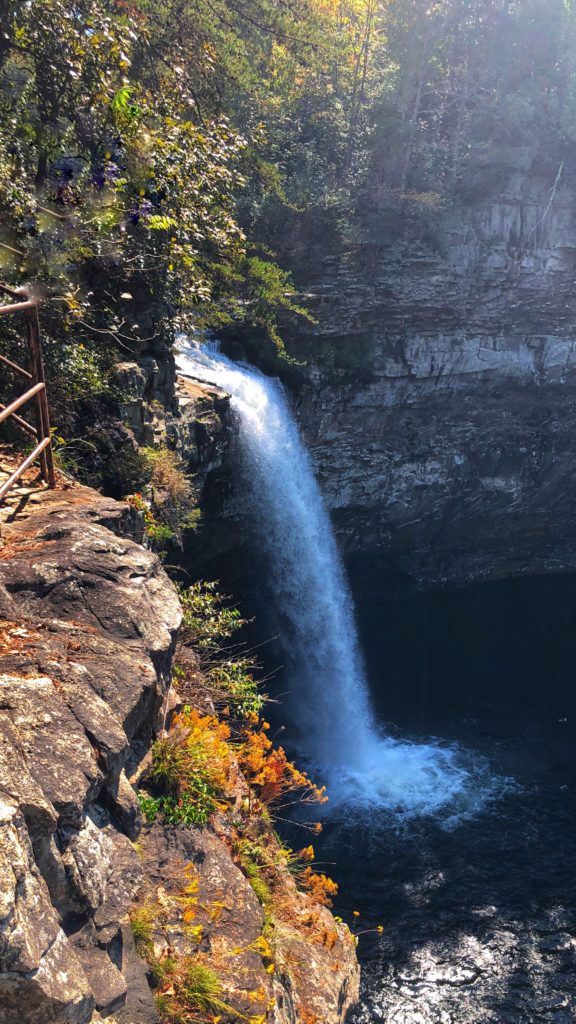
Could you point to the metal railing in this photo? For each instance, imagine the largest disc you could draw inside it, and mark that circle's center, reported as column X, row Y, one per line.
column 37, row 391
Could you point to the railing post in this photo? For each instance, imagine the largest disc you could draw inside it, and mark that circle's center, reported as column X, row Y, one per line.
column 42, row 414
column 37, row 390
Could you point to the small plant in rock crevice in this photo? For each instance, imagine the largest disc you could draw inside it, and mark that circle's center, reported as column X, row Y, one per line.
column 188, row 986
column 142, row 920
column 190, row 766
column 157, row 532
column 207, row 621
column 168, row 501
column 224, row 675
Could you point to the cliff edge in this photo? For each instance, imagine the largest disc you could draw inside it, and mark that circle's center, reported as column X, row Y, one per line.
column 88, row 631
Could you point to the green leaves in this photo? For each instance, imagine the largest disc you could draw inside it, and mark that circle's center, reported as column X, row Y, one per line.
column 140, row 130
column 207, row 620
column 121, row 99
column 158, row 223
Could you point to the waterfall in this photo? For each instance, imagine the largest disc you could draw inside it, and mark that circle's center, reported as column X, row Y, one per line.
column 326, row 676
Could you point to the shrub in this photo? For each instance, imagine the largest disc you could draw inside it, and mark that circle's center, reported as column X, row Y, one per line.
column 233, row 682
column 83, row 371
column 167, row 474
column 269, row 771
column 191, row 766
column 207, row 621
column 320, row 887
column 168, row 503
column 158, row 533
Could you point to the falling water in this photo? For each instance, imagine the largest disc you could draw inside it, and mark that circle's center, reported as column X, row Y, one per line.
column 325, row 670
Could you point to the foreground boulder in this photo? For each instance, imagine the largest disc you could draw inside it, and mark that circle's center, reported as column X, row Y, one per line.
column 86, row 642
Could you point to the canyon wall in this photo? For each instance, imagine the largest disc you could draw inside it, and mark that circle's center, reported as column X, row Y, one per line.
column 439, row 405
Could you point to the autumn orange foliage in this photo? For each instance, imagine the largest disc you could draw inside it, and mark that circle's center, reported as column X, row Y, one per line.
column 320, row 887
column 272, row 774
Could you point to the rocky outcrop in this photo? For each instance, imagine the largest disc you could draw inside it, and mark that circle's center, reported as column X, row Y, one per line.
column 439, row 403
column 191, row 417
column 148, row 402
column 294, row 965
column 454, row 461
column 89, row 623
column 158, row 405
column 205, row 426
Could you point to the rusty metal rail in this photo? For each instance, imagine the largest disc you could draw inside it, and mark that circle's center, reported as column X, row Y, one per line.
column 37, row 391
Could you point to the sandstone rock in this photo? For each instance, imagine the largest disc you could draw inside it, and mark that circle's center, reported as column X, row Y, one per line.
column 61, row 759
column 315, row 972
column 107, row 983
column 125, row 805
column 139, row 1006
column 438, row 398
column 205, row 424
column 86, row 646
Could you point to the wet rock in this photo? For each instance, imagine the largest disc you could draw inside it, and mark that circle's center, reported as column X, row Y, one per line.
column 205, row 424
column 560, row 943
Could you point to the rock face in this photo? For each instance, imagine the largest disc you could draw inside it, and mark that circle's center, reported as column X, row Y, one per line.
column 205, row 426
column 89, row 624
column 442, row 431
column 188, row 415
column 454, row 461
column 158, row 405
column 304, row 973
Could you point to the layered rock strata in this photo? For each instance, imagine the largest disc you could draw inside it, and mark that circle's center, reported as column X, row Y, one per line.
column 440, row 397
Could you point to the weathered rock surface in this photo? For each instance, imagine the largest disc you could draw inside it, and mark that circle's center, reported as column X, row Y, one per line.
column 306, row 969
column 438, row 402
column 159, row 405
column 206, row 438
column 205, row 425
column 88, row 622
column 86, row 639
column 454, row 461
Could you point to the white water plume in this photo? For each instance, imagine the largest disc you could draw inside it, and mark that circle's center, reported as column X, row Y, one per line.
column 326, row 676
